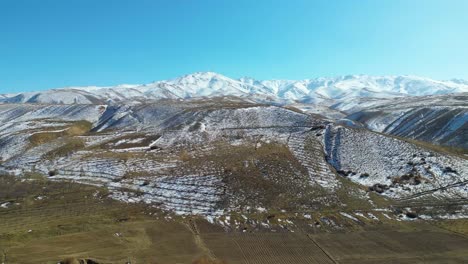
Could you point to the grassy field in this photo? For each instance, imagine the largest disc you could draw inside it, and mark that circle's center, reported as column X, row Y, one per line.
column 48, row 222
column 72, row 129
column 372, row 246
column 424, row 244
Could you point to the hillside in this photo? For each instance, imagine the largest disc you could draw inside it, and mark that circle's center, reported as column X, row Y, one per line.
column 213, row 158
column 440, row 119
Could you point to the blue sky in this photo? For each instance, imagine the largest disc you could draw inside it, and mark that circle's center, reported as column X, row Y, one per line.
column 47, row 44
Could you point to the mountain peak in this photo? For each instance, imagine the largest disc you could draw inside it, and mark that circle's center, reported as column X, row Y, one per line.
column 212, row 84
column 201, row 75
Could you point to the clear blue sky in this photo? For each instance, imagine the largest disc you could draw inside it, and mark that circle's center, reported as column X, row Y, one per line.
column 47, row 44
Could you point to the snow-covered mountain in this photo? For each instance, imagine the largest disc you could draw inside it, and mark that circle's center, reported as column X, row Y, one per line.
column 327, row 91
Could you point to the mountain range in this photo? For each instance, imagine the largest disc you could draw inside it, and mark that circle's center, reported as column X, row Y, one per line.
column 327, row 91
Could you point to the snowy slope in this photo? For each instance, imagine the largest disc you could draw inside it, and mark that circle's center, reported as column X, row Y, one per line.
column 441, row 119
column 398, row 168
column 208, row 84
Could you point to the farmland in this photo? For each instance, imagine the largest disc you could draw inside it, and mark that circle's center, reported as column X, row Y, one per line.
column 46, row 222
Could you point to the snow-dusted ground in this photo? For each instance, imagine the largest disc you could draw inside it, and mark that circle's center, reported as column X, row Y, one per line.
column 137, row 151
column 402, row 169
column 308, row 149
column 153, row 173
column 19, row 121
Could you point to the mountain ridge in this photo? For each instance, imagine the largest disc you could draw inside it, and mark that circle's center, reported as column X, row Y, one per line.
column 211, row 84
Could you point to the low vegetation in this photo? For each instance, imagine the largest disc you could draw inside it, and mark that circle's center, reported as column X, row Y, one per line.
column 75, row 129
column 71, row 146
column 460, row 152
column 49, row 222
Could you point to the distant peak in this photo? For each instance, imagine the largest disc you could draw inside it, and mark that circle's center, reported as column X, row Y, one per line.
column 459, row 81
column 192, row 77
column 208, row 74
column 247, row 79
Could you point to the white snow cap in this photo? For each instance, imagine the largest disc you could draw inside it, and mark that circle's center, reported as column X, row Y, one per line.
column 211, row 84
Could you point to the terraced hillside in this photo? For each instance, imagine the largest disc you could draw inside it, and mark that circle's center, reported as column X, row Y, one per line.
column 214, row 158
